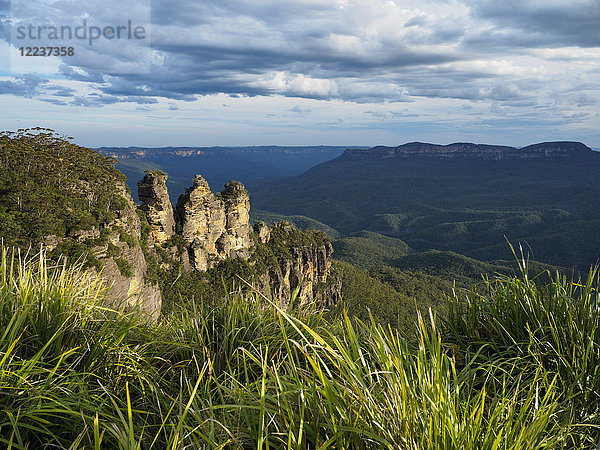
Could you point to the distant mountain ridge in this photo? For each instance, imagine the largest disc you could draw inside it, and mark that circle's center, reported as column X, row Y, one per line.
column 464, row 198
column 218, row 165
column 135, row 152
column 544, row 150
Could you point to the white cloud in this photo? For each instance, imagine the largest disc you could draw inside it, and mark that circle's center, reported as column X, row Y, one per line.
column 296, row 85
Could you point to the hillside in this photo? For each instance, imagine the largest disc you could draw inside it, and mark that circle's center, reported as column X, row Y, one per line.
column 386, row 277
column 464, row 198
column 297, row 220
column 74, row 201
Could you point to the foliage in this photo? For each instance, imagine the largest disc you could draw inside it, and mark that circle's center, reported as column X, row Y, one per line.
column 468, row 206
column 50, row 186
column 75, row 251
column 512, row 369
column 127, row 238
column 364, row 296
column 533, row 326
column 124, row 267
column 284, row 239
column 113, row 250
column 384, row 277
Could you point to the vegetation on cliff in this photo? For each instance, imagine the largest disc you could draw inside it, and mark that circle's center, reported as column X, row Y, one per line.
column 513, row 368
column 179, row 286
column 52, row 187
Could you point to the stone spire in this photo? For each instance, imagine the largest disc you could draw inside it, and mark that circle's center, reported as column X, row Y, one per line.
column 152, row 191
column 216, row 227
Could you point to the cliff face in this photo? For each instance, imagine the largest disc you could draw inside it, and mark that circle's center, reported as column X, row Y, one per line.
column 545, row 150
column 75, row 201
column 215, row 226
column 124, row 265
column 120, row 260
column 306, row 264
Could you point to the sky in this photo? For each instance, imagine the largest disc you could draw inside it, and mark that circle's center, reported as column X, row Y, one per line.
column 309, row 72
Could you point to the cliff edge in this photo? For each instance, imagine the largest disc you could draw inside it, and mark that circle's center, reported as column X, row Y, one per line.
column 544, row 150
column 75, row 202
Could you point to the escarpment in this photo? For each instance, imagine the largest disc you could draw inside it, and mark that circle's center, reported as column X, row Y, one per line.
column 114, row 254
column 546, row 150
column 296, row 260
column 73, row 202
column 213, row 228
column 123, row 263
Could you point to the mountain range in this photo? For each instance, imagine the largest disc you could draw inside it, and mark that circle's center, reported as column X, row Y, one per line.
column 217, row 164
column 466, row 198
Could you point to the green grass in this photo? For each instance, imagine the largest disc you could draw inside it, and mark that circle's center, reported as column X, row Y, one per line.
column 513, row 368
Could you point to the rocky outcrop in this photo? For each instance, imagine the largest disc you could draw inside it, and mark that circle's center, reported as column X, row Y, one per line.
column 263, row 232
column 120, row 263
column 215, row 226
column 545, row 150
column 124, row 266
column 130, row 287
column 302, row 260
column 152, row 191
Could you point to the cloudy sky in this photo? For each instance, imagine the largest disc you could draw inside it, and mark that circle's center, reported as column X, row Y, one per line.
column 303, row 72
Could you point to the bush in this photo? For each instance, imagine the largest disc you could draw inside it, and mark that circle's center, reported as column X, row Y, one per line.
column 127, row 238
column 124, row 267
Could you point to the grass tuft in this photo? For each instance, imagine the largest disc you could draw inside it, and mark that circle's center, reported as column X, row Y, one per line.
column 513, row 368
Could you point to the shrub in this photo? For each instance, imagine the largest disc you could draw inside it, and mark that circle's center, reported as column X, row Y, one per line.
column 124, row 267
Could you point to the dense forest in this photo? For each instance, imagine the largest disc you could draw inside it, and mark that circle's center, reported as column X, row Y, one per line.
column 463, row 204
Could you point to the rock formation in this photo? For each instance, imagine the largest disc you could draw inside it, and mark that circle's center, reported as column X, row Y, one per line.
column 152, row 191
column 122, row 263
column 262, row 231
column 130, row 290
column 304, row 263
column 215, row 226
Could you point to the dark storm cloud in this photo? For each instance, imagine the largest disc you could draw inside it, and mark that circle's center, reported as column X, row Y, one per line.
column 529, row 23
column 245, row 48
column 377, row 51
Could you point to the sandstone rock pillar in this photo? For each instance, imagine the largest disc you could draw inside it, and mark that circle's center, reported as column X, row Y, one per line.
column 152, row 191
